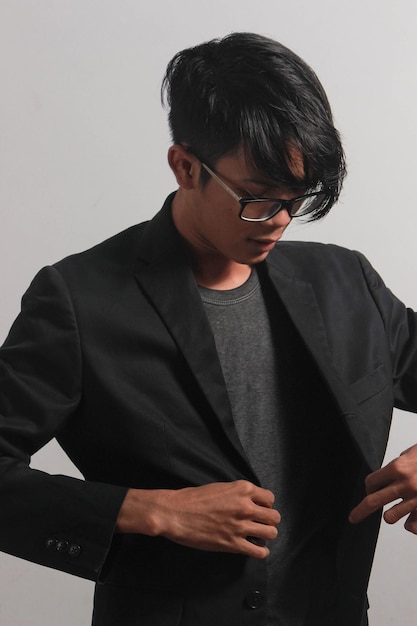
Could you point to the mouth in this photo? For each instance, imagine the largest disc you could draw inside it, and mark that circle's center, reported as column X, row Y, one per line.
column 264, row 244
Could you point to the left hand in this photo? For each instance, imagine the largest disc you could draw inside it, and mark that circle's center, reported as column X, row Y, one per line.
column 395, row 481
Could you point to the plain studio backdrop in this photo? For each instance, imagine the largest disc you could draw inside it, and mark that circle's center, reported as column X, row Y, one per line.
column 83, row 142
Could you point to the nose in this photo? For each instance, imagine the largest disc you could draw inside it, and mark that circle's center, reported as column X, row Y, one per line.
column 280, row 219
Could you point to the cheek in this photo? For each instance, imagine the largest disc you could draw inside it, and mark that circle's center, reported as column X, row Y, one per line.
column 225, row 218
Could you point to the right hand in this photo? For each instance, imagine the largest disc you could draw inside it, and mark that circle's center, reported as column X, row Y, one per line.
column 216, row 517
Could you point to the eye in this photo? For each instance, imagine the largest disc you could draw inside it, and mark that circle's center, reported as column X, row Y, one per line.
column 245, row 193
column 262, row 192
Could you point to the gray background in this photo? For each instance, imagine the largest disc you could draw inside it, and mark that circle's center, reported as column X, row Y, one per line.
column 83, row 142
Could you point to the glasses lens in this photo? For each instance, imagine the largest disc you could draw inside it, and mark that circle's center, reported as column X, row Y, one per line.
column 260, row 210
column 307, row 205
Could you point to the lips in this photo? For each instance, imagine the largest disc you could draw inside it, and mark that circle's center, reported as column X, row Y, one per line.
column 265, row 244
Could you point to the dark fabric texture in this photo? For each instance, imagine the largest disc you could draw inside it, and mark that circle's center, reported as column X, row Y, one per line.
column 114, row 356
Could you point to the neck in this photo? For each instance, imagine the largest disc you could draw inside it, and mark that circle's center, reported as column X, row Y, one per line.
column 216, row 274
column 211, row 268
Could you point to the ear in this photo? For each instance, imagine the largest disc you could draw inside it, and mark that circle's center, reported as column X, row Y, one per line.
column 185, row 166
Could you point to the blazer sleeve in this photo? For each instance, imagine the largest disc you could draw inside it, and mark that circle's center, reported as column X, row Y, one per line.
column 53, row 520
column 401, row 331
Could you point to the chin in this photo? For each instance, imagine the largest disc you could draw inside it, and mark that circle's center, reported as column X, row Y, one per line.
column 253, row 259
column 260, row 256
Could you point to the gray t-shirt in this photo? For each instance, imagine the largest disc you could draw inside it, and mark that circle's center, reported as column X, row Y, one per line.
column 293, row 439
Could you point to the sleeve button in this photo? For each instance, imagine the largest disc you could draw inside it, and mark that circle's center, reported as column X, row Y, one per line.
column 51, row 543
column 74, row 550
column 62, row 546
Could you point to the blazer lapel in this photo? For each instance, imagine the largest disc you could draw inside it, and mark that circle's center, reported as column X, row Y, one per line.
column 164, row 274
column 301, row 303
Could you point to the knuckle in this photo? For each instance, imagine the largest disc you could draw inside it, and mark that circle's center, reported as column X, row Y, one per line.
column 246, row 509
column 412, row 483
column 244, row 486
column 270, row 497
column 397, row 491
column 273, row 533
column 372, row 501
column 401, row 466
column 368, row 481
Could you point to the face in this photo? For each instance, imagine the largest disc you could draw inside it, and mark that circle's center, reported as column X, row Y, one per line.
column 213, row 223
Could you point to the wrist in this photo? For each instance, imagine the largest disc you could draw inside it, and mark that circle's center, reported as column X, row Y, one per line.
column 143, row 511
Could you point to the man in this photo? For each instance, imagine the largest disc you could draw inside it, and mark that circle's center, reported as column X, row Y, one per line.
column 224, row 394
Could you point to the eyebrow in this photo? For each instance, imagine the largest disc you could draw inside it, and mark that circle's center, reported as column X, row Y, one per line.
column 256, row 181
column 268, row 184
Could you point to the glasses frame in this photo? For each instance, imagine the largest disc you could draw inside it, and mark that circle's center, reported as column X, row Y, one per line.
column 281, row 204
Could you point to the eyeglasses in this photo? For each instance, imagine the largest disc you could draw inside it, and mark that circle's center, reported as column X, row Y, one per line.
column 263, row 209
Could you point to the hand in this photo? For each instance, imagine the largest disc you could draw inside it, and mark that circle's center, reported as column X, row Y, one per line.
column 215, row 517
column 397, row 480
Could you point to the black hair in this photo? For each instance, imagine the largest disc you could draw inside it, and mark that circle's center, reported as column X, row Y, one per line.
column 248, row 91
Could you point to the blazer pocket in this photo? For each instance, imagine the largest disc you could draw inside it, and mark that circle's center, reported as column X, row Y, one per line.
column 370, row 385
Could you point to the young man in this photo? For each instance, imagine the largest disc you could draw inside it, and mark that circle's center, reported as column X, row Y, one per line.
column 224, row 394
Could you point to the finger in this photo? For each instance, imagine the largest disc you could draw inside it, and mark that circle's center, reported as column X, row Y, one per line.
column 411, row 523
column 260, row 514
column 359, row 513
column 380, row 478
column 261, row 532
column 403, row 469
column 396, row 512
column 371, row 503
column 254, row 549
column 263, row 497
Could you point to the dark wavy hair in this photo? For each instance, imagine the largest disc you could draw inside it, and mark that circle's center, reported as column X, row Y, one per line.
column 249, row 91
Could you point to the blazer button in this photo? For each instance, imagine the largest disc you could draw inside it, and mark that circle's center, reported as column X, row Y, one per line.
column 254, row 599
column 51, row 543
column 74, row 550
column 61, row 546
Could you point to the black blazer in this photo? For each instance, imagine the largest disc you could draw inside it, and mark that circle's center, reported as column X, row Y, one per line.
column 113, row 355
